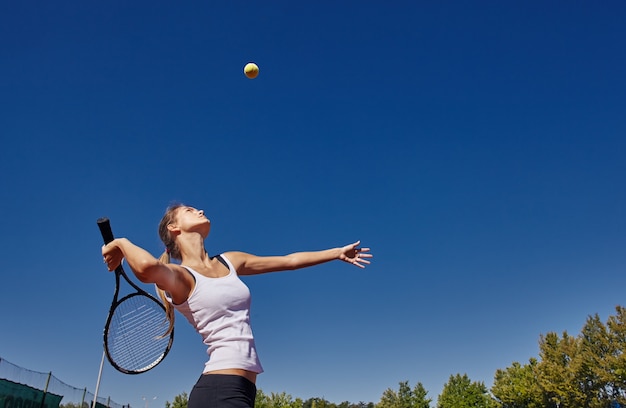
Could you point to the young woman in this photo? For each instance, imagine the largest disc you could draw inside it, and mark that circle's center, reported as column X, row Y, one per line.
column 208, row 292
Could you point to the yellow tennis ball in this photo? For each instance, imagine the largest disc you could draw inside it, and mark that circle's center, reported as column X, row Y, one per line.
column 251, row 70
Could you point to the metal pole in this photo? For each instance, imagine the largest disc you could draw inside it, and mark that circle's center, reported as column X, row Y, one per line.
column 45, row 391
column 82, row 401
column 95, row 396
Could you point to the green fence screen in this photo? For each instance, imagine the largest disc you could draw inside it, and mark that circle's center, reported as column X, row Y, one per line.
column 14, row 395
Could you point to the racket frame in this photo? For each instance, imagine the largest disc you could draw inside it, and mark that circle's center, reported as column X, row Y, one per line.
column 107, row 235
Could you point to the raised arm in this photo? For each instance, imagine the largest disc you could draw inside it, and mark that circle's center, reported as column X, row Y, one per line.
column 247, row 264
column 146, row 267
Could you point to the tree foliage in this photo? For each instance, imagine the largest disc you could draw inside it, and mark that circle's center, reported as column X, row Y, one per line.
column 276, row 400
column 405, row 397
column 461, row 392
column 585, row 371
column 518, row 387
column 284, row 400
column 180, row 401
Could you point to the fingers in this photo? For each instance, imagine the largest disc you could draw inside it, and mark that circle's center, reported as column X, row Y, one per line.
column 110, row 263
column 111, row 256
column 361, row 256
column 362, row 252
column 106, row 256
column 361, row 263
column 361, row 260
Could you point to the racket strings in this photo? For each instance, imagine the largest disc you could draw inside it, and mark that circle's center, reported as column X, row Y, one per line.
column 135, row 338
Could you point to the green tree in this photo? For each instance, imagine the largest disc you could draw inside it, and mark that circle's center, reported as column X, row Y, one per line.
column 318, row 403
column 419, row 397
column 389, row 399
column 282, row 400
column 596, row 367
column 261, row 401
column 461, row 392
column 405, row 397
column 276, row 400
column 555, row 372
column 180, row 401
column 361, row 404
column 591, row 365
column 586, row 371
column 518, row 387
column 616, row 359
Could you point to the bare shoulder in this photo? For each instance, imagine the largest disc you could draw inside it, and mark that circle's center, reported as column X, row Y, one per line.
column 179, row 284
column 237, row 258
column 178, row 269
column 177, row 277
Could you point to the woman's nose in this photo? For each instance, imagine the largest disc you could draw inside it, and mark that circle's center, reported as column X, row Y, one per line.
column 201, row 212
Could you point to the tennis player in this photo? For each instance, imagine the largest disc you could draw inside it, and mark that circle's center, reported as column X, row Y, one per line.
column 208, row 292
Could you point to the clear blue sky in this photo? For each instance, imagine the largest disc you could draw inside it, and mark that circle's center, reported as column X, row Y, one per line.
column 477, row 147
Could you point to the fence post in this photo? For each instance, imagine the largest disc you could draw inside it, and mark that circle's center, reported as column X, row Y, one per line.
column 82, row 401
column 45, row 390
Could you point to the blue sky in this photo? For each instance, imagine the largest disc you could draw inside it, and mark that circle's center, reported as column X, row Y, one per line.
column 477, row 147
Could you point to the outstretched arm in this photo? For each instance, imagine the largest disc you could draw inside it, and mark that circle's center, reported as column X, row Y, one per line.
column 247, row 264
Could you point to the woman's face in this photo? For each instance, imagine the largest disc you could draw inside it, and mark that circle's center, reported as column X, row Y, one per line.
column 190, row 219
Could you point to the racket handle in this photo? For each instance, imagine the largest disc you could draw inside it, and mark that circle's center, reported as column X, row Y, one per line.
column 105, row 229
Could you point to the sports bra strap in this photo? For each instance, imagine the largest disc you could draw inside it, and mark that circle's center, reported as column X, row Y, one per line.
column 219, row 258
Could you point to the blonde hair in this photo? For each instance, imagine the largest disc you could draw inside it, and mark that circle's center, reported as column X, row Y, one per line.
column 171, row 251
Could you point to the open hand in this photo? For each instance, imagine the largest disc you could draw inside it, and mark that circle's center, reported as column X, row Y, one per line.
column 356, row 256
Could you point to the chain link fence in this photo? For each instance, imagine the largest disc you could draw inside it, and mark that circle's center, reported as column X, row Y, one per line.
column 23, row 388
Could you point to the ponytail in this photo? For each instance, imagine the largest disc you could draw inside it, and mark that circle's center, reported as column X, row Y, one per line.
column 169, row 309
column 170, row 249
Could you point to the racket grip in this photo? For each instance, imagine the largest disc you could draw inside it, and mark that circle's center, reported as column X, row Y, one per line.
column 105, row 229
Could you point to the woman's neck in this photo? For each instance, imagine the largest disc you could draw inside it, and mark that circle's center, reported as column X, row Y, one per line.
column 192, row 249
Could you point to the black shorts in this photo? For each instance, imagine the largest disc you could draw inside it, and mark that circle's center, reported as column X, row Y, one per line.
column 222, row 391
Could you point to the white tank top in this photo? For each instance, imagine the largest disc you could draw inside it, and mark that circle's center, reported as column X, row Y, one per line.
column 219, row 310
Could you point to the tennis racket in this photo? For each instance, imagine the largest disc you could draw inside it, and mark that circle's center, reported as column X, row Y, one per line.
column 134, row 333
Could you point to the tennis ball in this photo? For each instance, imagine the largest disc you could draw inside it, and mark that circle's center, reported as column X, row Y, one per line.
column 251, row 70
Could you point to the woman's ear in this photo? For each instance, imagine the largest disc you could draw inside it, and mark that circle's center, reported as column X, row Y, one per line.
column 173, row 227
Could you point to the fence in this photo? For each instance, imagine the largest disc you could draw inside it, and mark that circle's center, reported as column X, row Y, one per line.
column 23, row 388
